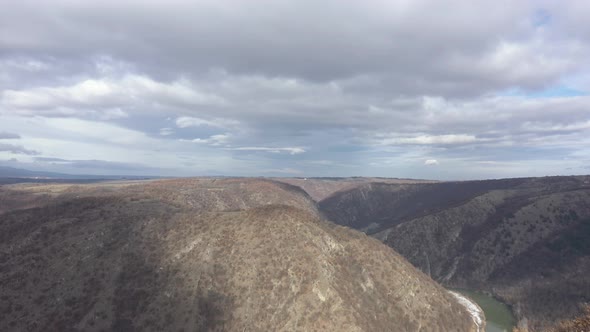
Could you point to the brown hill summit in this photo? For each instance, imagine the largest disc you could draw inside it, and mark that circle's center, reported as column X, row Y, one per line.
column 201, row 255
column 526, row 241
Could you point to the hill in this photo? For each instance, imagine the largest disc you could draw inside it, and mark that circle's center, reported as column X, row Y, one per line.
column 321, row 188
column 524, row 240
column 204, row 255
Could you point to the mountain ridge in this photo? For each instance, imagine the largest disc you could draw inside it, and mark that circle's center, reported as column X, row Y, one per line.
column 205, row 255
column 522, row 240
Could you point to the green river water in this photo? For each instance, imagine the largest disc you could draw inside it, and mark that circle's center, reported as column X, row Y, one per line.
column 499, row 318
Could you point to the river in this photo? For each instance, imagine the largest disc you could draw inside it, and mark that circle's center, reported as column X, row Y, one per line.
column 499, row 318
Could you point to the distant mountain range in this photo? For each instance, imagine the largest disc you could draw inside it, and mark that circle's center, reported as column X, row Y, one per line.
column 19, row 173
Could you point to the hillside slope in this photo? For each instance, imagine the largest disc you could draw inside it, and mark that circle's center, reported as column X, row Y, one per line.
column 524, row 240
column 321, row 188
column 204, row 255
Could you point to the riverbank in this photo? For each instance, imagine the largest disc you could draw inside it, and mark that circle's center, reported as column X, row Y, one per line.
column 473, row 308
column 498, row 316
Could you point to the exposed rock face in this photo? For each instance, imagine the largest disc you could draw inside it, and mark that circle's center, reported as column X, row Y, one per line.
column 474, row 309
column 204, row 255
column 525, row 240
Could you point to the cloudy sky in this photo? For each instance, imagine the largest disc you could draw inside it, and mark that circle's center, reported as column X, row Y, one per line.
column 398, row 88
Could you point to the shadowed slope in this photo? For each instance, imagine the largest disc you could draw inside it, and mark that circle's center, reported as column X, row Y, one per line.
column 321, row 188
column 525, row 240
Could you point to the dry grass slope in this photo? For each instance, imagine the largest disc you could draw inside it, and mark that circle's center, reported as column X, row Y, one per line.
column 202, row 255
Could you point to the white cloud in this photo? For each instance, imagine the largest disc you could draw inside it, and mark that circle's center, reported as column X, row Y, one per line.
column 290, row 150
column 75, row 139
column 112, row 95
column 548, row 127
column 214, row 140
column 166, row 131
column 188, row 121
column 431, row 140
column 291, row 171
column 111, row 114
column 431, row 162
column 185, row 121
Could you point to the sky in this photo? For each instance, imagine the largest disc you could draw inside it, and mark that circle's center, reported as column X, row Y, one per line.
column 448, row 90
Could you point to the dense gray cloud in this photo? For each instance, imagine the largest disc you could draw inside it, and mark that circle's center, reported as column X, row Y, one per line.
column 385, row 88
column 7, row 135
column 416, row 47
column 16, row 149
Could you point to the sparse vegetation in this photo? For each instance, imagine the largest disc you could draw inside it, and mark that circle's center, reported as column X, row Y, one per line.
column 524, row 240
column 579, row 324
column 204, row 255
